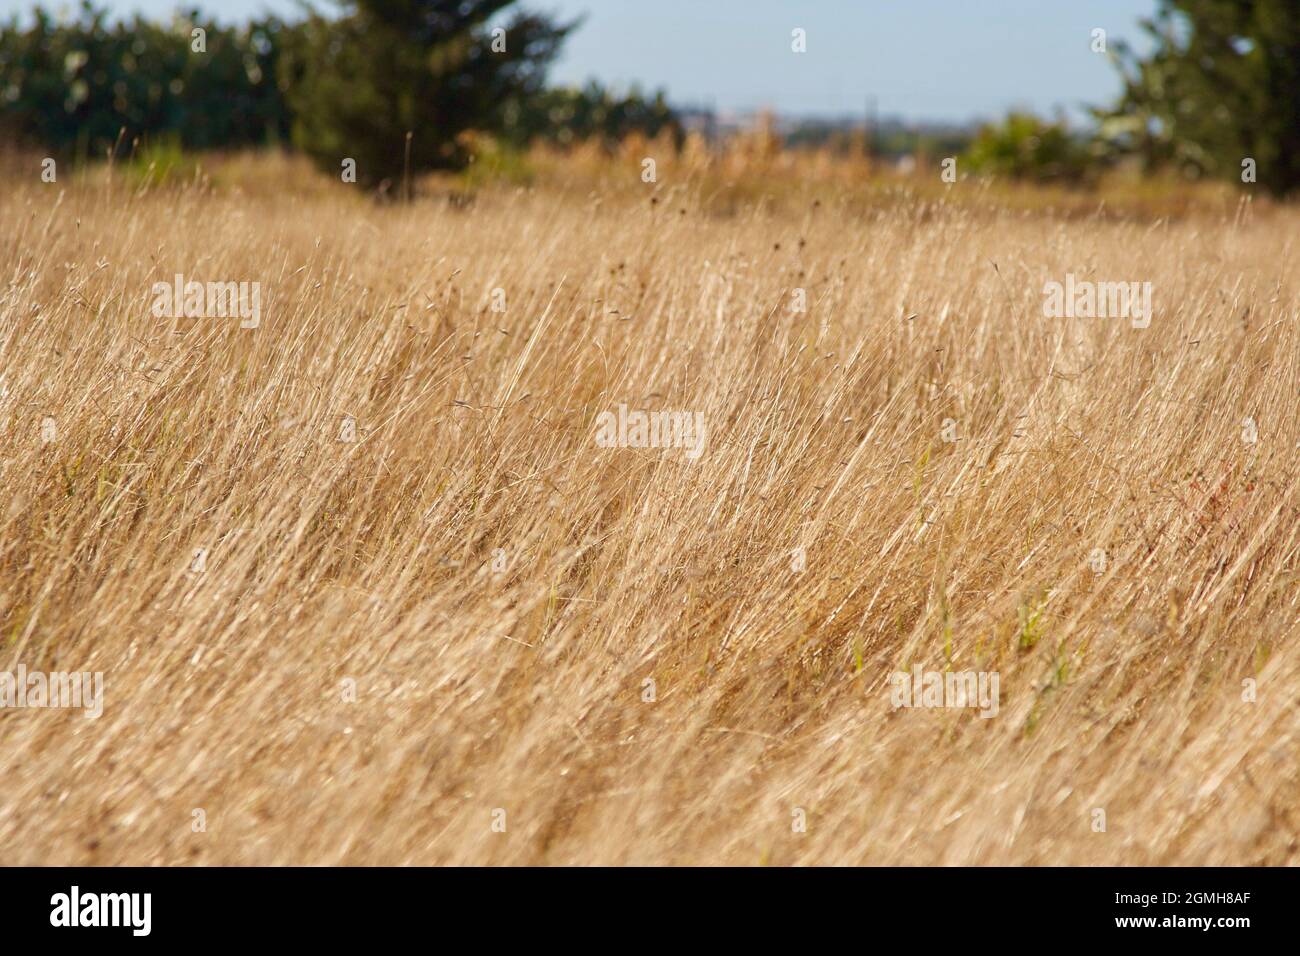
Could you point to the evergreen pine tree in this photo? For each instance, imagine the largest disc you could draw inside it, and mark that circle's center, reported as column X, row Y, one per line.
column 431, row 68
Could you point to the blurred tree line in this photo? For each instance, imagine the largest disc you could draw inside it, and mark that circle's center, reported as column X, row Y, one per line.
column 565, row 116
column 396, row 85
column 348, row 86
column 74, row 85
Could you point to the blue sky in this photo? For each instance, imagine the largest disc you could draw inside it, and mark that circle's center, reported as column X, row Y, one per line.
column 921, row 59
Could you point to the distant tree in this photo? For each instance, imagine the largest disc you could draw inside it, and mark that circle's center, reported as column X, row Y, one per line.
column 1221, row 86
column 431, row 68
column 567, row 115
column 1025, row 147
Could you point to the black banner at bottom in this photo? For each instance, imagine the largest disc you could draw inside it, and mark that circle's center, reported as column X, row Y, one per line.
column 946, row 906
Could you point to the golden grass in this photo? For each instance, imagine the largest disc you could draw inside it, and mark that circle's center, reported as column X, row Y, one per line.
column 371, row 561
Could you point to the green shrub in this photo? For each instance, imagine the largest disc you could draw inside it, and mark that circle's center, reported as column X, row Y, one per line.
column 1024, row 147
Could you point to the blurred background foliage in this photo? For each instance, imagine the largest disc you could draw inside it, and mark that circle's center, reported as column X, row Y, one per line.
column 567, row 116
column 411, row 86
column 1221, row 85
column 1025, row 147
column 84, row 85
column 358, row 84
column 354, row 85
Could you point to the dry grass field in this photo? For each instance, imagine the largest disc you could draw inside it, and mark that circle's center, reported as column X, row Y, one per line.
column 473, row 635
